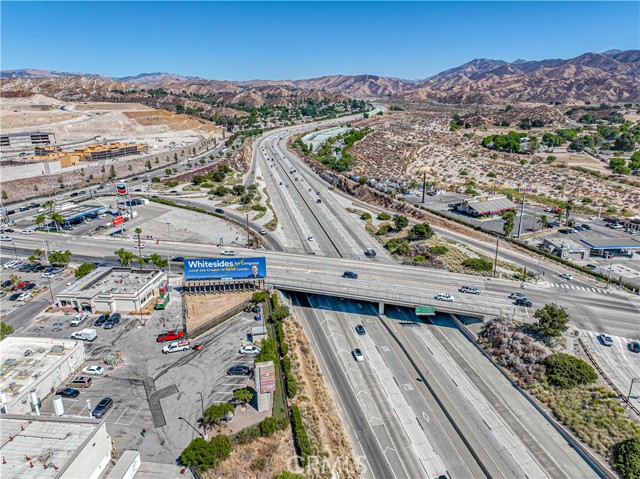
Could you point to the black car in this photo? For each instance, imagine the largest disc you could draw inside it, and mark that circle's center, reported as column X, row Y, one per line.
column 11, row 212
column 103, row 318
column 318, row 201
column 360, row 330
column 350, row 275
column 112, row 321
column 255, row 309
column 178, row 259
column 220, row 211
column 29, row 287
column 14, row 296
column 75, row 193
column 82, row 192
column 102, row 407
column 524, row 302
column 6, row 284
column 68, row 393
column 239, row 371
column 116, row 317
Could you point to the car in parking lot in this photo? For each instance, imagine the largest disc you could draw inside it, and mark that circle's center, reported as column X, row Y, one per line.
column 102, row 407
column 469, row 290
column 68, row 393
column 239, row 371
column 93, row 370
column 14, row 296
column 6, row 283
column 445, row 297
column 360, row 330
column 634, row 346
column 112, row 321
column 78, row 319
column 606, row 339
column 350, row 275
column 29, row 287
column 357, row 354
column 566, row 276
column 24, row 296
column 173, row 335
column 250, row 349
column 101, row 320
column 524, row 302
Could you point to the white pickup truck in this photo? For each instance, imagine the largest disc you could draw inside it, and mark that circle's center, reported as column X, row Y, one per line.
column 176, row 346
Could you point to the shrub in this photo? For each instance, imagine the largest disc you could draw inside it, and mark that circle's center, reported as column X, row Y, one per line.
column 84, row 269
column 259, row 208
column 478, row 264
column 288, row 475
column 566, row 371
column 280, row 312
column 268, row 426
column 421, row 231
column 384, row 229
column 301, row 440
column 365, row 216
column 384, row 216
column 626, row 458
column 217, row 412
column 259, row 297
column 438, row 250
column 292, row 386
column 552, row 320
column 247, row 435
column 243, row 395
column 204, row 455
column 171, row 183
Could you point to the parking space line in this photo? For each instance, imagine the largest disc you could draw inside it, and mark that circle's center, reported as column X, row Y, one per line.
column 125, row 410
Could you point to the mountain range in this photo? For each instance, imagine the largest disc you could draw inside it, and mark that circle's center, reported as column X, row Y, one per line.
column 612, row 76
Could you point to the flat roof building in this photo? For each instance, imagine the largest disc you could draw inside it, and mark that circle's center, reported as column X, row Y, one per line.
column 29, row 139
column 53, row 447
column 111, row 150
column 614, row 246
column 35, row 364
column 565, row 247
column 113, row 289
column 485, row 205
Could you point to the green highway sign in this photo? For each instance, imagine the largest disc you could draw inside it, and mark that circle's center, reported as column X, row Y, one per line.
column 425, row 310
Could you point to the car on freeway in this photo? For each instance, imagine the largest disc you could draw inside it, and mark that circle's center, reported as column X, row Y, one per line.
column 263, row 231
column 178, row 259
column 112, row 321
column 24, row 296
column 350, row 275
column 68, row 393
column 370, row 253
column 250, row 349
column 360, row 330
column 634, row 346
column 445, row 297
column 173, row 335
column 524, row 302
column 239, row 371
column 220, row 211
column 469, row 290
column 25, row 232
column 592, row 266
column 6, row 238
column 228, row 252
column 309, row 238
column 517, row 296
column 606, row 339
column 566, row 276
column 93, row 371
column 102, row 407
column 103, row 318
column 357, row 354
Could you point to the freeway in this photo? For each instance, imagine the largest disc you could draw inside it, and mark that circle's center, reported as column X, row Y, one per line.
column 612, row 313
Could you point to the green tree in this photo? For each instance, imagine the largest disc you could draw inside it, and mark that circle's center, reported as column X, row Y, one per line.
column 40, row 220
column 243, row 395
column 5, row 330
column 288, row 475
column 84, row 269
column 384, row 216
column 566, row 371
column 400, row 222
column 280, row 312
column 634, row 163
column 626, row 458
column 398, row 246
column 238, row 190
column 204, row 455
column 148, row 165
column 217, row 412
column 552, row 320
column 543, row 221
column 56, row 218
column 221, row 447
column 260, row 297
column 478, row 264
column 625, row 142
column 158, row 261
column 112, row 172
column 509, row 221
column 125, row 256
column 5, row 196
column 421, row 231
column 384, row 229
column 59, row 258
column 138, row 232
column 365, row 216
column 569, row 206
column 268, row 426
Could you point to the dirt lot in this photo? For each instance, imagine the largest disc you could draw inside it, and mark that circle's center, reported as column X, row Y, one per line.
column 203, row 308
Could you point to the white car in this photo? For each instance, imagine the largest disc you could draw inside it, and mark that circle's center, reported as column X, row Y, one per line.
column 445, row 297
column 606, row 339
column 48, row 275
column 25, row 232
column 228, row 252
column 250, row 349
column 309, row 238
column 357, row 354
column 566, row 276
column 93, row 370
column 24, row 296
column 593, row 218
column 6, row 238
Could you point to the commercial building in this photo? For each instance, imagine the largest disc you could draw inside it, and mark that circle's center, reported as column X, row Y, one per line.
column 113, row 289
column 53, row 447
column 565, row 248
column 489, row 205
column 111, row 150
column 65, row 159
column 613, row 246
column 35, row 364
column 26, row 140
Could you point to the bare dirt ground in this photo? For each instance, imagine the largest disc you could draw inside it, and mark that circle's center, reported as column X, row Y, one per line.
column 403, row 144
column 203, row 308
column 260, row 459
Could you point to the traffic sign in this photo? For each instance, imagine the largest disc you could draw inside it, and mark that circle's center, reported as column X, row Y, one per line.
column 425, row 311
column 524, row 189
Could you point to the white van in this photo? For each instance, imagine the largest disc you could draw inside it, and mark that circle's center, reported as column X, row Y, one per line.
column 85, row 335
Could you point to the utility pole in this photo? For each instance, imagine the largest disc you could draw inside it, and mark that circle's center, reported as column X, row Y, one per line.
column 609, row 275
column 248, row 233
column 495, row 262
column 424, row 185
column 630, row 389
column 523, row 190
column 538, row 269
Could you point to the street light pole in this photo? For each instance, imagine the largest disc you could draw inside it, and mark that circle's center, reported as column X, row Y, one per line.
column 630, row 389
column 201, row 405
column 191, row 426
column 50, row 290
column 248, row 244
column 495, row 262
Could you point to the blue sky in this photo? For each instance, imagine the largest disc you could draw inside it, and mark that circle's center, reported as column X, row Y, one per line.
column 293, row 40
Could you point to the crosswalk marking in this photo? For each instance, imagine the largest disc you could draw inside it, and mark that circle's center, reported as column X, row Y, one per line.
column 580, row 288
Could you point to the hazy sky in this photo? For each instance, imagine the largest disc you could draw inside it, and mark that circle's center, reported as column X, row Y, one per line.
column 292, row 40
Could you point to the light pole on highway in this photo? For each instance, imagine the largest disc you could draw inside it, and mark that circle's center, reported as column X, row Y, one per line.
column 50, row 290
column 15, row 252
column 191, row 426
column 630, row 389
column 248, row 244
column 495, row 262
column 608, row 276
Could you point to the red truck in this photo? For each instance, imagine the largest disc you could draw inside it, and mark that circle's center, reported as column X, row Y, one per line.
column 170, row 336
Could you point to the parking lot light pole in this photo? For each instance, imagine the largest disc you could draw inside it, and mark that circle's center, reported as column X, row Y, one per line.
column 201, row 435
column 201, row 405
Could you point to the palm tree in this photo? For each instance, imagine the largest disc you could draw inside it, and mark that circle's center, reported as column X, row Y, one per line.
column 125, row 256
column 558, row 216
column 40, row 220
column 569, row 205
column 57, row 219
column 543, row 221
column 138, row 231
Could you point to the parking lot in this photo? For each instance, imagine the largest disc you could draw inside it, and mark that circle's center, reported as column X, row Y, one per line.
column 618, row 362
column 151, row 390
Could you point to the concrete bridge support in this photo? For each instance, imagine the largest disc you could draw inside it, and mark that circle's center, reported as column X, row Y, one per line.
column 381, row 308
